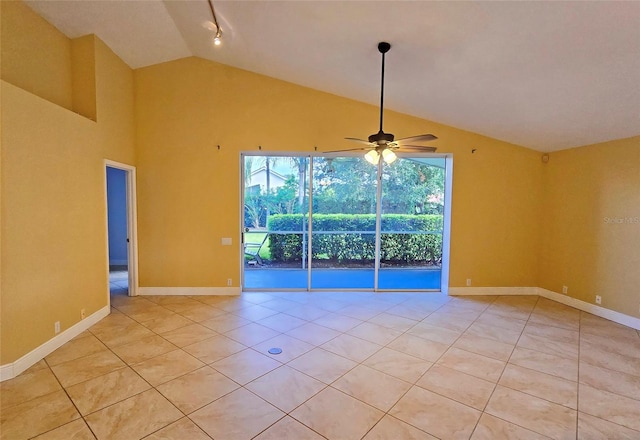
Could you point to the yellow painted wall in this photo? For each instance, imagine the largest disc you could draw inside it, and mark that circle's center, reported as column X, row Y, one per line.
column 189, row 191
column 35, row 55
column 591, row 224
column 53, row 227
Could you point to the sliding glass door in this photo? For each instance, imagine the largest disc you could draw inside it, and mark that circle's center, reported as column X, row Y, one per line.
column 412, row 212
column 373, row 227
column 344, row 223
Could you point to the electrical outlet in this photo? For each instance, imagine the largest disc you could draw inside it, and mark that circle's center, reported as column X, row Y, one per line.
column 83, row 313
column 565, row 289
column 598, row 299
column 56, row 327
column 468, row 282
column 229, row 281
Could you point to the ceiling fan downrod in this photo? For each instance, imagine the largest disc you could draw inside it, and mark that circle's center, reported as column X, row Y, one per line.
column 381, row 137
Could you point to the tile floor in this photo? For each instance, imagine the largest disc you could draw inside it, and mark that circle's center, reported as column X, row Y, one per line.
column 353, row 366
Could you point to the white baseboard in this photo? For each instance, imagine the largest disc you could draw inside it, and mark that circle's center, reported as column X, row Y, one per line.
column 464, row 291
column 9, row 371
column 192, row 291
column 602, row 312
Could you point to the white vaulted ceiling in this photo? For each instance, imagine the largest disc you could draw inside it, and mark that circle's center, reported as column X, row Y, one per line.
column 545, row 75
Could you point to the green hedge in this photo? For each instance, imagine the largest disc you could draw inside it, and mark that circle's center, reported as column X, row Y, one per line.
column 358, row 246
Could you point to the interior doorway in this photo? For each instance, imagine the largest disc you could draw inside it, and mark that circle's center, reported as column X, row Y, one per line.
column 121, row 228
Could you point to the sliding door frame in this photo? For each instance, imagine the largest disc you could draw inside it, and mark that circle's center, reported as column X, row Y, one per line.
column 446, row 232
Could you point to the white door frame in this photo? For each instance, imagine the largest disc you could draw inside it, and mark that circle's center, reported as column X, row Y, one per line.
column 132, row 223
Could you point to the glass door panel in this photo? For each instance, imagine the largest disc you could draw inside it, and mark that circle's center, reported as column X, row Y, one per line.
column 412, row 224
column 276, row 201
column 343, row 233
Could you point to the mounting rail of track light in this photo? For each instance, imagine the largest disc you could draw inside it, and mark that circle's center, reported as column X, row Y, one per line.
column 217, row 39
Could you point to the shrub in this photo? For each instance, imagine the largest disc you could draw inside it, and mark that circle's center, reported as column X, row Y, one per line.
column 351, row 237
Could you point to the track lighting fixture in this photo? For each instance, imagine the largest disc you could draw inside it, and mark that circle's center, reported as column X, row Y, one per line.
column 217, row 39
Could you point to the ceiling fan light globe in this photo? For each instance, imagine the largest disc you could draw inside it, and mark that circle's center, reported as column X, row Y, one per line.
column 372, row 157
column 389, row 156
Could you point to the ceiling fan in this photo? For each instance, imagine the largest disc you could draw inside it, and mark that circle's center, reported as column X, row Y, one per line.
column 383, row 144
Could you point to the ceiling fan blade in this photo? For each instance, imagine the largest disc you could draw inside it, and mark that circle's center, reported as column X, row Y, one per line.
column 419, row 138
column 362, row 141
column 348, row 149
column 416, row 148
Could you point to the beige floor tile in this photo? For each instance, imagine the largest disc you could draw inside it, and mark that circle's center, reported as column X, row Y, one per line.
column 418, row 347
column 435, row 333
column 213, row 349
column 545, row 386
column 397, row 364
column 511, row 323
column 486, row 347
column 335, row 415
column 471, row 363
column 598, row 356
column 360, row 312
column 134, row 417
column 142, row 314
column 238, row 415
column 390, row 428
column 545, row 363
column 75, row 349
column 85, row 368
column 461, row 387
column 609, row 380
column 372, row 387
column 322, row 365
column 146, row 348
column 27, row 386
column 507, row 311
column 251, row 334
column 183, row 429
column 493, row 428
column 291, row 348
column 245, row 366
column 197, row 389
column 201, row 312
column 282, row 322
column 408, row 312
column 594, row 325
column 187, row 304
column 114, row 320
column 167, row 324
column 612, row 407
column 113, row 337
column 307, row 312
column 36, row 416
column 285, row 388
column 435, row 414
column 486, row 330
column 254, row 313
column 374, row 333
column 188, row 335
column 393, row 322
column 338, row 322
column 570, row 321
column 594, row 428
column 313, row 334
column 76, row 430
column 351, row 347
column 97, row 393
column 224, row 323
column 39, row 365
column 533, row 413
column 627, row 346
column 288, row 428
column 166, row 367
column 567, row 350
column 449, row 321
column 554, row 333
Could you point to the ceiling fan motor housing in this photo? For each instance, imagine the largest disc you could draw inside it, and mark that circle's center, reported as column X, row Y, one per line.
column 381, row 138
